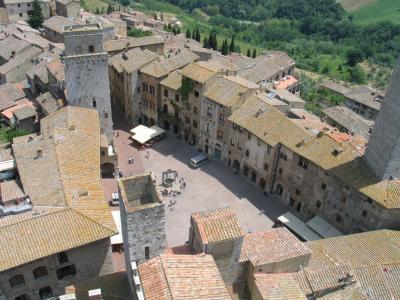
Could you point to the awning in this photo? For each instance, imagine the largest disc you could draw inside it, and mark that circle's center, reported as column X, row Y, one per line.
column 298, row 227
column 323, row 228
column 117, row 239
column 142, row 134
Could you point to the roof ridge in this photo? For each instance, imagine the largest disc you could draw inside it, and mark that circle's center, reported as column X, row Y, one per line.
column 166, row 279
column 93, row 221
column 62, row 209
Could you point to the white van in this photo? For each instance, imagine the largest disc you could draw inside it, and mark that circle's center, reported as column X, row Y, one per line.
column 198, row 160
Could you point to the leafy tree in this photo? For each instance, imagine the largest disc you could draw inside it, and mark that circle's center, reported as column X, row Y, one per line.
column 136, row 32
column 354, row 56
column 36, row 17
column 254, row 53
column 232, row 45
column 188, row 35
column 357, row 75
column 125, row 2
column 109, row 9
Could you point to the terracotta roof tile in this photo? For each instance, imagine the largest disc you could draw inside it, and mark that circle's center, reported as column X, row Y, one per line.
column 277, row 245
column 217, row 225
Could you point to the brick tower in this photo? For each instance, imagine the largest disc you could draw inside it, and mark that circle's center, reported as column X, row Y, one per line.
column 86, row 72
column 383, row 150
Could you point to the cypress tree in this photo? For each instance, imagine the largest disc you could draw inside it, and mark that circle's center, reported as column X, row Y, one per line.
column 248, row 53
column 109, row 8
column 197, row 35
column 232, row 45
column 97, row 11
column 188, row 35
column 174, row 30
column 254, row 53
column 224, row 48
column 36, row 18
column 178, row 30
column 206, row 43
column 169, row 27
column 155, row 16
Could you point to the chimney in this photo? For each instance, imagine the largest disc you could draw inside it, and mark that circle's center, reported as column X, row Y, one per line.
column 95, row 294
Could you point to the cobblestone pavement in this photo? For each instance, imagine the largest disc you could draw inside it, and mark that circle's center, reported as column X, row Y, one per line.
column 209, row 187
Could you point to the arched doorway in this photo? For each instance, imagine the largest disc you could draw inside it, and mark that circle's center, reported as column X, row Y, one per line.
column 279, row 189
column 206, row 147
column 236, row 165
column 262, row 183
column 107, row 170
column 166, row 125
column 246, row 171
column 253, row 176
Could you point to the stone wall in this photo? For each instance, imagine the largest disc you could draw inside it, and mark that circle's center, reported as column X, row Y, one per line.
column 87, row 266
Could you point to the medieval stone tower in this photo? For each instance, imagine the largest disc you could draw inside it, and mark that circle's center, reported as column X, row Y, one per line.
column 86, row 72
column 383, row 150
column 142, row 219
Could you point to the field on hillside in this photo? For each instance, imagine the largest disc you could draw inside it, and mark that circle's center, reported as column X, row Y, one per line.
column 353, row 5
column 372, row 11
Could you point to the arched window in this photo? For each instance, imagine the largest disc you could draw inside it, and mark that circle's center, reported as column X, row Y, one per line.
column 17, row 280
column 94, row 103
column 40, row 272
column 23, row 297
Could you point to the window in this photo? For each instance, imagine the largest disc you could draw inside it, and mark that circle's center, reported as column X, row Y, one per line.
column 323, row 186
column 258, row 142
column 194, row 123
column 147, row 252
column 266, row 167
column 283, row 156
column 45, row 293
column 269, row 149
column 66, row 271
column 23, row 297
column 221, row 117
column 187, row 119
column 232, row 142
column 369, row 200
column 40, row 272
column 105, row 115
column 165, row 93
column 240, row 129
column 338, row 218
column 29, row 5
column 343, row 199
column 165, row 108
column 318, row 204
column 209, row 111
column 234, row 126
column 17, row 280
column 364, row 213
column 177, row 97
column 297, row 193
column 195, row 109
column 303, row 162
column 220, row 134
column 94, row 104
column 239, row 146
column 247, row 153
column 280, row 171
column 249, row 135
column 62, row 257
column 19, row 5
column 196, row 94
column 188, row 106
column 91, row 48
column 291, row 202
column 20, row 14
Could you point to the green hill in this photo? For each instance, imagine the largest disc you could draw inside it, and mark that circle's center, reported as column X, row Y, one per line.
column 372, row 11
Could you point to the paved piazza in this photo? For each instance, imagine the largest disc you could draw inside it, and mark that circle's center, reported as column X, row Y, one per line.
column 209, row 187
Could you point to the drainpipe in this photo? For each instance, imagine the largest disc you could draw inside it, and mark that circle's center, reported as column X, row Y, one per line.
column 275, row 168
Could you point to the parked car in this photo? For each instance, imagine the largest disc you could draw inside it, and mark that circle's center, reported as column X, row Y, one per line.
column 114, row 199
column 198, row 160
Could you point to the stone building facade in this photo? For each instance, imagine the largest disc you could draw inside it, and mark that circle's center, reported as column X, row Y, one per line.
column 143, row 219
column 18, row 10
column 48, row 276
column 86, row 72
column 70, row 9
